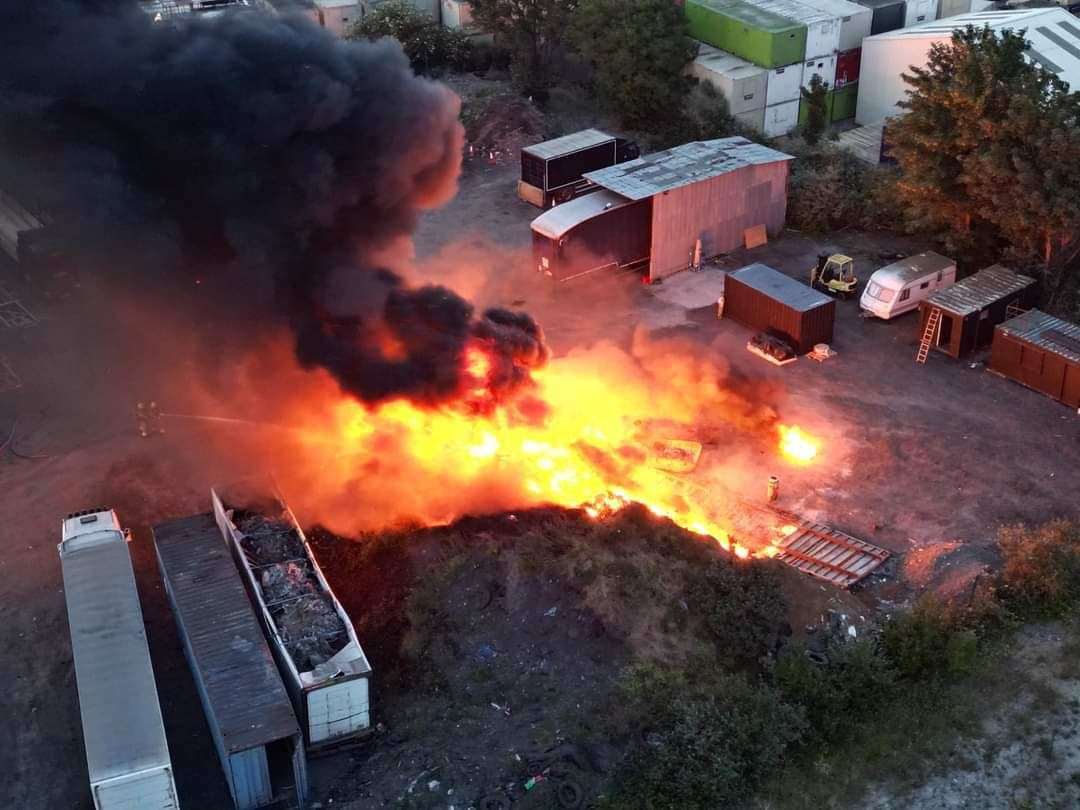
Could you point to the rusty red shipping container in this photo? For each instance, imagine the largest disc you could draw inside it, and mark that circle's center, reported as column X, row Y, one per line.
column 847, row 67
column 762, row 298
column 1041, row 352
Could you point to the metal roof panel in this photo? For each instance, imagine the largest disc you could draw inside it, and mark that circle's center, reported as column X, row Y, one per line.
column 980, row 290
column 1046, row 331
column 567, row 143
column 780, row 287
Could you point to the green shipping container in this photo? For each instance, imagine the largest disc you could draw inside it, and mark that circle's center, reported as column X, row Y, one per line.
column 759, row 36
column 804, row 108
column 844, row 102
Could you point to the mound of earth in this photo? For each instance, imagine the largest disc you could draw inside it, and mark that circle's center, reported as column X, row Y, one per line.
column 505, row 123
column 497, row 644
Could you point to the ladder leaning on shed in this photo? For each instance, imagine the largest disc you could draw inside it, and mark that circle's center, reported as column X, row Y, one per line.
column 933, row 321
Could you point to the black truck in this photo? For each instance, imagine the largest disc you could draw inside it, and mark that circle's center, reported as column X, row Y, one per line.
column 551, row 172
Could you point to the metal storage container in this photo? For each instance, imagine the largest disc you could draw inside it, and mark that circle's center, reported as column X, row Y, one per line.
column 950, row 8
column 855, row 20
column 766, row 39
column 888, row 15
column 247, row 708
column 780, row 119
column 754, row 119
column 919, row 11
column 847, row 67
column 127, row 755
column 1041, row 352
column 822, row 27
column 782, row 84
column 761, row 298
column 823, row 66
column 330, row 698
column 743, row 84
column 844, row 102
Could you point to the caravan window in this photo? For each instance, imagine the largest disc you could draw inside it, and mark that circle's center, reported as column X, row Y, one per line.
column 875, row 290
column 924, row 285
column 905, row 295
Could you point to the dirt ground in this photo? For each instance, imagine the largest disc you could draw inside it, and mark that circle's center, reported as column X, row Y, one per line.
column 918, row 456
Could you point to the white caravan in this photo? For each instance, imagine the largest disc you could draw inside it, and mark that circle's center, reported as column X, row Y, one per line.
column 899, row 287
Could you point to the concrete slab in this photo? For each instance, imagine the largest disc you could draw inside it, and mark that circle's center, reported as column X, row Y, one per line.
column 691, row 289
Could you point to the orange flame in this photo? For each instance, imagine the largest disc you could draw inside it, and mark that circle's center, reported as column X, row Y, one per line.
column 797, row 446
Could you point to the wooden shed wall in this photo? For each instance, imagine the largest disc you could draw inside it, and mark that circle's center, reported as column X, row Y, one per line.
column 716, row 211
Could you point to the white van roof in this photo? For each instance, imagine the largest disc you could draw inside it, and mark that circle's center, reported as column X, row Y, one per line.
column 898, row 274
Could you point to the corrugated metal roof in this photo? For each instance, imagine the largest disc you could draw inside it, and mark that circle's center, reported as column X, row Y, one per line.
column 723, row 63
column 567, row 144
column 980, row 290
column 683, row 165
column 242, row 684
column 780, row 287
column 1050, row 333
column 118, row 698
column 555, row 222
column 912, row 268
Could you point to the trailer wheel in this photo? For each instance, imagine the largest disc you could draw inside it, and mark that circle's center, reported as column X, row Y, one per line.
column 564, row 195
column 569, row 795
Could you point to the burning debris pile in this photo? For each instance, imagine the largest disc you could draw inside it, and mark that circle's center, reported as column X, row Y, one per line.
column 303, row 613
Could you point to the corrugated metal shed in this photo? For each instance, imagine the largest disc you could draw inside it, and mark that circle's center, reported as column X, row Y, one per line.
column 830, row 555
column 781, row 288
column 980, row 290
column 1052, row 334
column 682, row 166
column 567, row 143
column 117, row 695
column 244, row 692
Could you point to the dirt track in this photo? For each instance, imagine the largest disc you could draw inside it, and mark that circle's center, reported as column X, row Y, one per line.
column 920, row 455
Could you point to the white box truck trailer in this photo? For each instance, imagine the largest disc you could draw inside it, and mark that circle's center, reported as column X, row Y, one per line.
column 126, row 752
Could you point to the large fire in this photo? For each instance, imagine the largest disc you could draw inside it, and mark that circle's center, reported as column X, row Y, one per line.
column 582, row 437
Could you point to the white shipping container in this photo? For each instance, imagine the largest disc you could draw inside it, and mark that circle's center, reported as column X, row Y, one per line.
column 780, row 119
column 822, row 28
column 950, row 8
column 782, row 84
column 855, row 20
column 823, row 66
column 920, row 11
column 126, row 752
column 754, row 119
column 742, row 83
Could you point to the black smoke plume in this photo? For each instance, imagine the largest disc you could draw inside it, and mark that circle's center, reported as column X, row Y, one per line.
column 261, row 156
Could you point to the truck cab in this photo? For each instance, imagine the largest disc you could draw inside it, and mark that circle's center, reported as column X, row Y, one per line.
column 88, row 528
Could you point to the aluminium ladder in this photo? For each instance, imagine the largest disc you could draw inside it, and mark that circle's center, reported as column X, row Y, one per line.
column 929, row 334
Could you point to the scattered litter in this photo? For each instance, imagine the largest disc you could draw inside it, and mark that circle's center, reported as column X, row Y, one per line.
column 821, row 352
column 551, row 611
column 485, row 652
column 433, row 784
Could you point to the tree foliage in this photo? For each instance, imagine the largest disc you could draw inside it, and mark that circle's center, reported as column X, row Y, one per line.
column 815, row 98
column 638, row 50
column 532, row 30
column 1041, row 574
column 428, row 45
column 989, row 153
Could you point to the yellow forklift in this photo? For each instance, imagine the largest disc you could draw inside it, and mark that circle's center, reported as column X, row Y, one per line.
column 834, row 274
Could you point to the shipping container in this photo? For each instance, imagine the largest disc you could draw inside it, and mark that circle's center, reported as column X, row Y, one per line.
column 753, row 119
column 127, row 755
column 599, row 232
column 855, row 21
column 950, row 8
column 847, row 67
column 822, row 27
column 312, row 639
column 251, row 720
column 766, row 39
column 917, row 12
column 551, row 172
column 782, row 85
column 823, row 66
column 780, row 119
column 888, row 15
column 973, row 306
column 844, row 101
column 761, row 298
column 741, row 83
column 804, row 109
column 1041, row 352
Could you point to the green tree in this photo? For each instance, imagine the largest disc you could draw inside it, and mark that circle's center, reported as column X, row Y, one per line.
column 532, row 30
column 989, row 153
column 428, row 45
column 815, row 98
column 638, row 50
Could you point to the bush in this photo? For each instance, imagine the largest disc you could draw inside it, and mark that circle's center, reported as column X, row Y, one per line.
column 428, row 45
column 708, row 741
column 929, row 641
column 1041, row 571
column 742, row 605
column 831, row 188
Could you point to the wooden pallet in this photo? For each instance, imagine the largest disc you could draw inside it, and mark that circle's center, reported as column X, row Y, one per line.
column 830, row 555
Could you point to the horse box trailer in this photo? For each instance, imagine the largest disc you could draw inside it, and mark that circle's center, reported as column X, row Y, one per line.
column 127, row 755
column 551, row 172
column 311, row 636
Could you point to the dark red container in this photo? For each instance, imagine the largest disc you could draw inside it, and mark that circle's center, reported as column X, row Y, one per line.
column 847, row 67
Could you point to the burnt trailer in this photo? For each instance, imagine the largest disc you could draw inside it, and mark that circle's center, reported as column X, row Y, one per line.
column 764, row 299
column 250, row 716
column 311, row 637
column 1042, row 352
column 969, row 310
column 600, row 231
column 553, row 172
